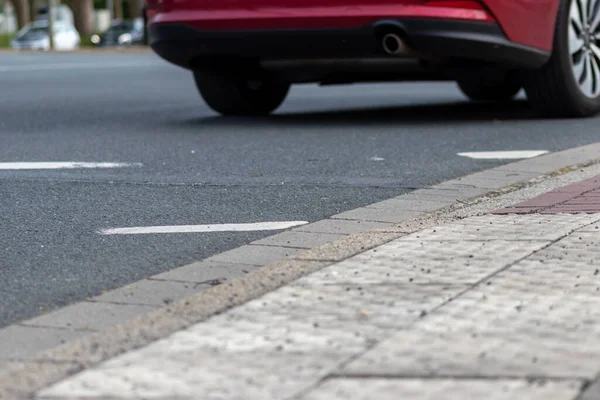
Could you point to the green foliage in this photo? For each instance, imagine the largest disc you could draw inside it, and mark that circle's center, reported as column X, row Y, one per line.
column 85, row 42
column 5, row 40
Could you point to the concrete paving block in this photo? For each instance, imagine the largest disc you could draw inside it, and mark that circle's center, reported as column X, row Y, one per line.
column 586, row 244
column 255, row 255
column 349, row 246
column 437, row 389
column 297, row 343
column 290, row 359
column 386, row 214
column 549, row 162
column 494, row 178
column 204, row 271
column 25, row 342
column 498, row 227
column 481, row 185
column 405, row 203
column 412, row 262
column 153, row 293
column 218, row 376
column 462, row 191
column 488, row 342
column 363, row 310
column 303, row 240
column 238, row 336
column 89, row 316
column 433, row 193
column 592, row 228
column 341, row 226
column 539, row 317
column 592, row 392
column 238, row 291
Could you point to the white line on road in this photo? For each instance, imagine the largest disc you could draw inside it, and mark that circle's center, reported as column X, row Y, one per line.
column 63, row 165
column 258, row 226
column 72, row 66
column 503, row 155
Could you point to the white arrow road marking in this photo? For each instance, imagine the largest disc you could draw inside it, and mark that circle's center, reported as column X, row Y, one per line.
column 63, row 165
column 503, row 155
column 258, row 226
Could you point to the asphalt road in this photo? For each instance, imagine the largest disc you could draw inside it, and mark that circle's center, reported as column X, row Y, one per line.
column 326, row 150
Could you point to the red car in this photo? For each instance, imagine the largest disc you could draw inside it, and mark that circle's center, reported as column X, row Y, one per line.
column 245, row 54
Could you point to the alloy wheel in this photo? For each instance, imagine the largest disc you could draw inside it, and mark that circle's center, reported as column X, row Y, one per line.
column 584, row 49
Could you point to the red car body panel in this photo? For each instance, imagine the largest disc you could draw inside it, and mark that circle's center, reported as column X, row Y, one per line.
column 526, row 22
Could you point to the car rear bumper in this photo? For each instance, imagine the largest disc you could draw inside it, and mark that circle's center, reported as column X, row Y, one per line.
column 428, row 38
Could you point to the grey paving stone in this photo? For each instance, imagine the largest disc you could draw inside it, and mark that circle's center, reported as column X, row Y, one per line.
column 405, row 203
column 434, row 193
column 349, row 246
column 540, row 317
column 363, row 309
column 342, row 227
column 254, row 255
column 219, row 375
column 304, row 240
column 152, row 292
column 592, row 392
column 594, row 228
column 438, row 389
column 548, row 162
column 387, row 214
column 494, row 178
column 25, row 342
column 584, row 244
column 301, row 334
column 515, row 227
column 89, row 315
column 409, row 261
column 204, row 271
column 462, row 191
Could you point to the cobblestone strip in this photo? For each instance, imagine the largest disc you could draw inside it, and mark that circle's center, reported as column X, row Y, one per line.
column 479, row 298
column 582, row 197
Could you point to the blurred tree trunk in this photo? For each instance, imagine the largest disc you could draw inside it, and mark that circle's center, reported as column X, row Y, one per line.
column 119, row 10
column 22, row 12
column 32, row 10
column 83, row 16
column 135, row 8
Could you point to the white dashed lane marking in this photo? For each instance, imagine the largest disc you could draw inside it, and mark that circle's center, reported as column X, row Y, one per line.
column 62, row 165
column 503, row 155
column 71, row 66
column 258, row 226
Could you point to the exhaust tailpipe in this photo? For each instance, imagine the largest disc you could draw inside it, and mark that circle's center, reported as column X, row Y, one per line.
column 392, row 44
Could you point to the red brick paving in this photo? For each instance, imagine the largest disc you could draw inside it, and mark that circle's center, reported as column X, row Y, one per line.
column 582, row 197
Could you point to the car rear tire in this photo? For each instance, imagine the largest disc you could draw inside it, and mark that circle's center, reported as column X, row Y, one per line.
column 568, row 86
column 502, row 90
column 232, row 95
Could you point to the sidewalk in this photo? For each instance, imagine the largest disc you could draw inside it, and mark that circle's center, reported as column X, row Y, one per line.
column 504, row 305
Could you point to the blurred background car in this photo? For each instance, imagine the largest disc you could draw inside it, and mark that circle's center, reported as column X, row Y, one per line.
column 35, row 36
column 121, row 33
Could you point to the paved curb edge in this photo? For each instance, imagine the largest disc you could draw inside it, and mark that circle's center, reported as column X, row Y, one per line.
column 22, row 380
